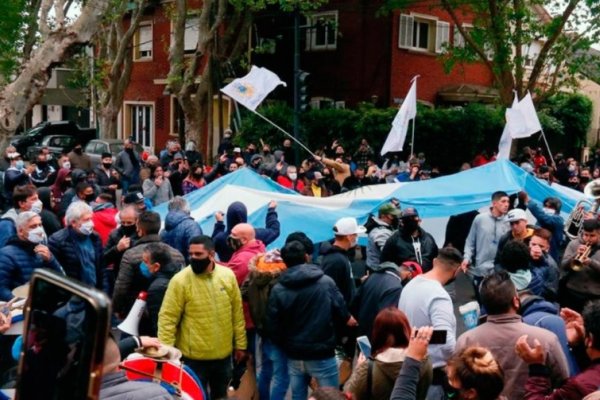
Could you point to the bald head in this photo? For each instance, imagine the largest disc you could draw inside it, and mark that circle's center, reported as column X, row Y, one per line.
column 244, row 232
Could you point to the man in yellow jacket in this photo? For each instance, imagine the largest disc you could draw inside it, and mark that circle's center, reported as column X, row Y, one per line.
column 202, row 316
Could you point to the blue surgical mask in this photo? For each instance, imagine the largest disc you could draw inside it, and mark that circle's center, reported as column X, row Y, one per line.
column 19, row 164
column 145, row 271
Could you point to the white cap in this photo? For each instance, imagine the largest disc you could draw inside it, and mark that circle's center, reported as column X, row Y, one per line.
column 348, row 226
column 516, row 215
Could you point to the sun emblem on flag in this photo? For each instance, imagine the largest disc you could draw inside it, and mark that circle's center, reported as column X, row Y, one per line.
column 245, row 89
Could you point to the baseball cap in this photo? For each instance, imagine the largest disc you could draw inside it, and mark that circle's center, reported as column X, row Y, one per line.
column 237, row 150
column 134, row 197
column 178, row 156
column 389, row 209
column 516, row 215
column 409, row 212
column 348, row 226
column 413, row 267
column 12, row 156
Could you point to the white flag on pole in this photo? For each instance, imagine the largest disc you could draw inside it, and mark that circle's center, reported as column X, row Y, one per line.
column 408, row 110
column 251, row 90
column 522, row 119
column 505, row 139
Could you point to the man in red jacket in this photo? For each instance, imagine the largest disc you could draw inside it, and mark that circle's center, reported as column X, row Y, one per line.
column 581, row 330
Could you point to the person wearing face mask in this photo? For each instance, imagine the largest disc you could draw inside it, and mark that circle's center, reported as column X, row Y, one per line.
column 77, row 177
column 202, row 315
column 107, row 177
column 49, row 219
column 84, row 192
column 158, row 187
column 79, row 159
column 130, row 281
column 195, row 179
column 119, row 240
column 380, row 230
column 410, row 242
column 256, row 163
column 44, row 173
column 24, row 198
column 503, row 328
column 15, row 175
column 192, row 154
column 128, row 165
column 289, row 179
column 60, row 186
column 157, row 266
column 24, row 253
column 78, row 248
column 104, row 216
column 426, row 303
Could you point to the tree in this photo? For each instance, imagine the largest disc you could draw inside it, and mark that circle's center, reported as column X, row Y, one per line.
column 222, row 36
column 114, row 60
column 43, row 37
column 504, row 31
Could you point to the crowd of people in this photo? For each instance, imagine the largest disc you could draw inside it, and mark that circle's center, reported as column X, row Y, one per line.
column 294, row 314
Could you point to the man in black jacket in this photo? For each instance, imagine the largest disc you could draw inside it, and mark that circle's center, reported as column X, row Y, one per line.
column 119, row 240
column 410, row 243
column 304, row 308
column 107, row 176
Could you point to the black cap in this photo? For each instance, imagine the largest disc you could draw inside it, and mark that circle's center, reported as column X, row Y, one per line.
column 134, row 197
column 106, row 155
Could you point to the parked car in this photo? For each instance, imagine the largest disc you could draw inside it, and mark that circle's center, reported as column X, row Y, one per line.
column 96, row 147
column 57, row 144
column 37, row 133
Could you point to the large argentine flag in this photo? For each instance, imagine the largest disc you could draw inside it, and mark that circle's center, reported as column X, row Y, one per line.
column 435, row 199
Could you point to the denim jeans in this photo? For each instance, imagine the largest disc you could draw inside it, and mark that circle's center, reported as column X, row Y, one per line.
column 324, row 371
column 273, row 378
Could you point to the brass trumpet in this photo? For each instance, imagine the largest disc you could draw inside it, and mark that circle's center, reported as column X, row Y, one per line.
column 577, row 263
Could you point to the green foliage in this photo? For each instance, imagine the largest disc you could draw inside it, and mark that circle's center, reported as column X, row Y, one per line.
column 574, row 111
column 11, row 36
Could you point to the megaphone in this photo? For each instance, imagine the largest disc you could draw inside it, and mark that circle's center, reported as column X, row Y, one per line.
column 130, row 324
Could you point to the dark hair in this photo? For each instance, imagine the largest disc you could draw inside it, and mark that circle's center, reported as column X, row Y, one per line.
column 498, row 195
column 159, row 253
column 450, row 257
column 302, row 238
column 293, row 253
column 81, row 186
column 590, row 225
column 553, row 202
column 204, row 240
column 106, row 197
column 149, row 221
column 476, row 368
column 389, row 322
column 21, row 193
column 514, row 256
column 591, row 321
column 195, row 166
column 497, row 292
column 543, row 233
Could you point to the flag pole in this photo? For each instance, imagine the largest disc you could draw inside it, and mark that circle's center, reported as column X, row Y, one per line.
column 284, row 131
column 412, row 142
column 548, row 147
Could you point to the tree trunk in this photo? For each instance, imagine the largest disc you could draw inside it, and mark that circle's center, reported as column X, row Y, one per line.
column 108, row 121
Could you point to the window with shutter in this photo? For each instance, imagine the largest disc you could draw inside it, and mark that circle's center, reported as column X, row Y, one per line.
column 405, row 38
column 192, row 34
column 143, row 42
column 442, row 35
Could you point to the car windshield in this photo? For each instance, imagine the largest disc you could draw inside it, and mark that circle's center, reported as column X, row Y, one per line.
column 34, row 131
column 115, row 148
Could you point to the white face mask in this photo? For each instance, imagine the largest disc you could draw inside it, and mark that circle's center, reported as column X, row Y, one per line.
column 37, row 235
column 87, row 228
column 293, row 176
column 549, row 211
column 67, row 165
column 37, row 206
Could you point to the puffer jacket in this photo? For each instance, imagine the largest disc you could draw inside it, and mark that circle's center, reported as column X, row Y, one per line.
column 180, row 228
column 116, row 386
column 17, row 263
column 130, row 281
column 63, row 244
column 385, row 368
column 238, row 213
column 264, row 272
column 8, row 227
column 304, row 308
column 399, row 248
column 104, row 220
column 156, row 294
column 202, row 314
column 544, row 278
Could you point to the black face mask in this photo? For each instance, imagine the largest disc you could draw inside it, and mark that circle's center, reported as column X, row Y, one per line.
column 129, row 230
column 197, row 175
column 77, row 150
column 234, row 243
column 42, row 164
column 395, row 223
column 199, row 265
column 409, row 225
column 129, row 150
column 107, row 165
column 89, row 198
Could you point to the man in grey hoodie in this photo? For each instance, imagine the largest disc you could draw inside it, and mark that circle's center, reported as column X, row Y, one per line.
column 383, row 227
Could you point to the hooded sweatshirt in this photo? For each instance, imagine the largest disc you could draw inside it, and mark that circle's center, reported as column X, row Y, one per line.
column 180, row 228
column 237, row 213
column 60, row 186
column 385, row 368
column 49, row 219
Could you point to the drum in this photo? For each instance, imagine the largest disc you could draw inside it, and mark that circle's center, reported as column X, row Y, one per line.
column 177, row 380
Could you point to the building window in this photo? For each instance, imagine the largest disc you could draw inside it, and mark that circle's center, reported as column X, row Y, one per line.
column 176, row 115
column 423, row 33
column 191, row 35
column 142, row 42
column 139, row 123
column 322, row 30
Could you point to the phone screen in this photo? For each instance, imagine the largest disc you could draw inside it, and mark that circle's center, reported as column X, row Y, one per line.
column 60, row 344
column 438, row 337
column 364, row 345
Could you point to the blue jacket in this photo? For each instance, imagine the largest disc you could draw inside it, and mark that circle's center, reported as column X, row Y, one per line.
column 541, row 313
column 304, row 308
column 553, row 222
column 544, row 278
column 17, row 263
column 63, row 244
column 236, row 214
column 180, row 228
column 8, row 228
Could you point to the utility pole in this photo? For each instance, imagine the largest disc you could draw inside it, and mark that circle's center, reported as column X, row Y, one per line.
column 296, row 81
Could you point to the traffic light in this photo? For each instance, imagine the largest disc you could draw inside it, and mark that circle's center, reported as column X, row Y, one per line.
column 303, row 98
